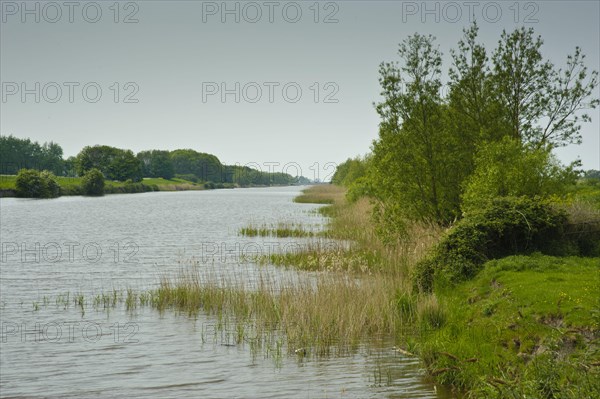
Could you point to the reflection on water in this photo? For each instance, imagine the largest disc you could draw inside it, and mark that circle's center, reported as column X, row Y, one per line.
column 55, row 252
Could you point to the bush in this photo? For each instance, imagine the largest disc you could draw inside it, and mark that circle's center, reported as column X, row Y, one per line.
column 508, row 226
column 52, row 187
column 509, row 169
column 93, row 182
column 31, row 183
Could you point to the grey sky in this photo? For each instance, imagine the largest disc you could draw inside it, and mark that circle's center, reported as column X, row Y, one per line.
column 179, row 52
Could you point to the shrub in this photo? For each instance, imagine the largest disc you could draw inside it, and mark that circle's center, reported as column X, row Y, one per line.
column 509, row 169
column 508, row 226
column 52, row 186
column 93, row 182
column 31, row 183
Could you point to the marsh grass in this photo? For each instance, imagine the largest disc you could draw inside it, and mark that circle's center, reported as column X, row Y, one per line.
column 357, row 247
column 281, row 230
column 321, row 314
column 320, row 194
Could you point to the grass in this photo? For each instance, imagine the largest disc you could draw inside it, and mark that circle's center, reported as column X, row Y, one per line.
column 282, row 229
column 321, row 194
column 358, row 248
column 174, row 184
column 528, row 324
column 73, row 185
column 320, row 316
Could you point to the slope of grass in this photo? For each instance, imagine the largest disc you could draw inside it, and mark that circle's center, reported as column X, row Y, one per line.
column 526, row 326
column 73, row 185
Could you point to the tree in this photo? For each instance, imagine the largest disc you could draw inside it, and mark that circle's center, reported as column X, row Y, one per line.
column 414, row 157
column 16, row 154
column 541, row 104
column 349, row 171
column 206, row 167
column 52, row 158
column 475, row 113
column 114, row 163
column 93, row 182
column 31, row 183
column 156, row 163
column 125, row 166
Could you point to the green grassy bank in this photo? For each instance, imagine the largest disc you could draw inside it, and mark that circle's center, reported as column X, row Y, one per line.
column 73, row 185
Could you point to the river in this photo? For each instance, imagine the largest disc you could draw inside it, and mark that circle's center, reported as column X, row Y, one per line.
column 55, row 250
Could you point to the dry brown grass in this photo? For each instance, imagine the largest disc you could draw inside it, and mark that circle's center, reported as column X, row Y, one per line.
column 367, row 254
column 330, row 314
column 321, row 194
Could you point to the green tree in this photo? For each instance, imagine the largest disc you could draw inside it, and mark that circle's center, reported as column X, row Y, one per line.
column 350, row 170
column 114, row 163
column 475, row 114
column 205, row 167
column 125, row 166
column 414, row 159
column 156, row 163
column 16, row 154
column 93, row 182
column 541, row 105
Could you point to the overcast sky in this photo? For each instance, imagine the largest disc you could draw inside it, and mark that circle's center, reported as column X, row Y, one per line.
column 251, row 82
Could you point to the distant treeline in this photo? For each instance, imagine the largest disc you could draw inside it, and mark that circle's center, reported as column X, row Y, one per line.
column 123, row 165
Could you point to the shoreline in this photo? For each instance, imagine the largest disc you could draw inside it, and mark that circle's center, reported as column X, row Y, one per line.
column 72, row 186
column 522, row 321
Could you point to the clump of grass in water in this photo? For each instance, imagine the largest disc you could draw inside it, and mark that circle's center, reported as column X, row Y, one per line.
column 80, row 301
column 280, row 230
column 323, row 315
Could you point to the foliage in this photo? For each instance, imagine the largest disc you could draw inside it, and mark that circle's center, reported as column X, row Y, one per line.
column 246, row 176
column 205, row 167
column 31, row 183
column 19, row 154
column 508, row 168
column 413, row 160
column 114, row 163
column 592, row 174
column 349, row 171
column 508, row 226
column 93, row 182
column 156, row 163
column 540, row 103
column 427, row 141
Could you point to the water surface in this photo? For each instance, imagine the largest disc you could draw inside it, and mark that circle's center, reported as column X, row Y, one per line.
column 54, row 250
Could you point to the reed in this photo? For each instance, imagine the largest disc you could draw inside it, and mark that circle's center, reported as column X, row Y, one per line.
column 330, row 313
column 281, row 230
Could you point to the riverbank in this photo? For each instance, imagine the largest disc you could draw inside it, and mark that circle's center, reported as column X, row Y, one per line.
column 73, row 186
column 525, row 326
